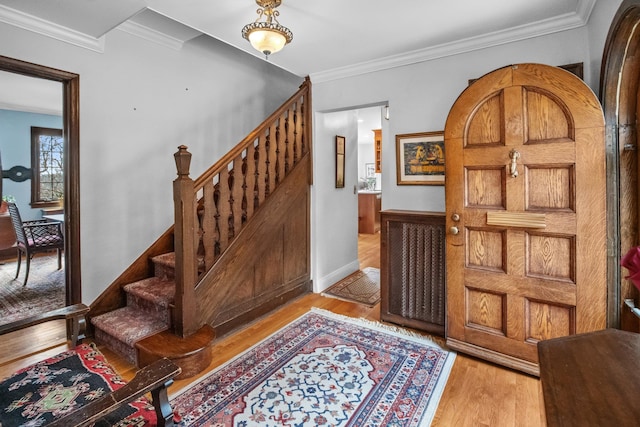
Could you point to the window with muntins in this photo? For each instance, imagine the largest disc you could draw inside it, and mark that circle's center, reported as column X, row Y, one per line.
column 47, row 166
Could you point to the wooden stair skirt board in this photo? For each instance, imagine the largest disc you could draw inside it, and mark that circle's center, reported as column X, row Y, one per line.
column 267, row 264
column 193, row 354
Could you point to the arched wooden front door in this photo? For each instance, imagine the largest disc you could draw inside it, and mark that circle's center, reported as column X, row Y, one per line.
column 526, row 219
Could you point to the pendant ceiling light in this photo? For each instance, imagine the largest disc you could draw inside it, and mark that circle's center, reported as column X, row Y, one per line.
column 267, row 36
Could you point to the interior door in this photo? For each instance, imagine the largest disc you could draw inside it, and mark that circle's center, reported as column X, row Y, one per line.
column 526, row 220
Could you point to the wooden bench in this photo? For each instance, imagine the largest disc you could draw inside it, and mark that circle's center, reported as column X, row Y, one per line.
column 154, row 378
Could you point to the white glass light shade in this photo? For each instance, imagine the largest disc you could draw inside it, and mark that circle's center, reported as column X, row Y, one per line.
column 267, row 41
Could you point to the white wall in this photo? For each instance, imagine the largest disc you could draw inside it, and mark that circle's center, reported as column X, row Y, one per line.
column 138, row 102
column 366, row 155
column 335, row 210
column 598, row 28
column 420, row 96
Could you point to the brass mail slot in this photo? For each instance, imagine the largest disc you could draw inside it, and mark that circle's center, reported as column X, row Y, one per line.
column 517, row 219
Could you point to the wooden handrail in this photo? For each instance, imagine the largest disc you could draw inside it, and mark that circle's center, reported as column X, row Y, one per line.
column 213, row 209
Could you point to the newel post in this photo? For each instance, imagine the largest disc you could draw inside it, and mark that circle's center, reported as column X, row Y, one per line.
column 185, row 317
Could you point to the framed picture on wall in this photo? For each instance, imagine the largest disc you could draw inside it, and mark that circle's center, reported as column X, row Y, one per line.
column 340, row 143
column 370, row 170
column 420, row 158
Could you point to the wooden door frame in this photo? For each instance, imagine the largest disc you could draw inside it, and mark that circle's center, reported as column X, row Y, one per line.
column 71, row 134
column 619, row 83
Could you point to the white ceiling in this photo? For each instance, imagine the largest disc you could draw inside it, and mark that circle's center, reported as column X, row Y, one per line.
column 331, row 38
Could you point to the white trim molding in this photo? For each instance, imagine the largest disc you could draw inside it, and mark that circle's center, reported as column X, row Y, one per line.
column 40, row 26
column 564, row 22
column 150, row 34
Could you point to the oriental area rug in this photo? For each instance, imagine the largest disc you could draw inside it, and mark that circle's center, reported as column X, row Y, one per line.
column 323, row 369
column 55, row 387
column 363, row 287
column 45, row 288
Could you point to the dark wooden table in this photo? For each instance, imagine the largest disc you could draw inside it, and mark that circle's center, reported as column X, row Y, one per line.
column 591, row 379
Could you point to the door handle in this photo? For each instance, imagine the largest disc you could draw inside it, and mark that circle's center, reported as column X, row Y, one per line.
column 454, row 230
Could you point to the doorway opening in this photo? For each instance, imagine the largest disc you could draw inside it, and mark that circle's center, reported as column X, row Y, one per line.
column 619, row 85
column 69, row 95
column 369, row 185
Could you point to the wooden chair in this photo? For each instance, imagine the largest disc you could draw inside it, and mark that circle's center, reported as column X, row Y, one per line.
column 35, row 236
column 154, row 378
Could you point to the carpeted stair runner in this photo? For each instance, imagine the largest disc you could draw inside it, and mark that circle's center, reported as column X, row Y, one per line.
column 121, row 329
column 141, row 332
column 147, row 312
column 154, row 295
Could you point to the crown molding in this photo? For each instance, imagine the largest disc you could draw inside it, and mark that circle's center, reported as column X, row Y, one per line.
column 31, row 23
column 560, row 23
column 31, row 109
column 150, row 34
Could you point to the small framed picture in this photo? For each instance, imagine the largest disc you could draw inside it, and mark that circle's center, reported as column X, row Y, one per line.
column 420, row 158
column 370, row 170
column 340, row 142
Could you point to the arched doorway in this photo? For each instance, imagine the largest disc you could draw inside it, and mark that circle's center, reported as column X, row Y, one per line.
column 619, row 83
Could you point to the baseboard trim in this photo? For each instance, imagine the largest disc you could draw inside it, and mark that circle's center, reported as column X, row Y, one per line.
column 321, row 284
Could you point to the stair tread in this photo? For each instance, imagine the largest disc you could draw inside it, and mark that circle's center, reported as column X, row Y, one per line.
column 169, row 259
column 157, row 290
column 129, row 325
column 165, row 259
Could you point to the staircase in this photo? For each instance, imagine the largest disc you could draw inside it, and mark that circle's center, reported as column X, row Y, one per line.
column 239, row 248
column 140, row 331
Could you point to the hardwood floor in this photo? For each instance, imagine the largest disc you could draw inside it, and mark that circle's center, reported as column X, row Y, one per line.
column 369, row 250
column 477, row 393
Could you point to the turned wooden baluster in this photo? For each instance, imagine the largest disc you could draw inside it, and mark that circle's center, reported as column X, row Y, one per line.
column 256, row 172
column 278, row 175
column 185, row 315
column 287, row 156
column 209, row 223
column 235, row 197
column 303, row 143
column 223, row 208
column 249, row 173
column 296, row 142
column 231, row 199
column 216, row 213
column 245, row 203
column 273, row 157
column 265, row 165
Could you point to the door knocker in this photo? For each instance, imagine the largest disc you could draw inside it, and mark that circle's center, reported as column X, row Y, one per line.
column 514, row 156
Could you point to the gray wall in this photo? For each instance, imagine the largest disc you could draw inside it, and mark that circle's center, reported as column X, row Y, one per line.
column 419, row 97
column 138, row 102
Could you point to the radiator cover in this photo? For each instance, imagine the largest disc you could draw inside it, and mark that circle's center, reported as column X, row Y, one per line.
column 413, row 270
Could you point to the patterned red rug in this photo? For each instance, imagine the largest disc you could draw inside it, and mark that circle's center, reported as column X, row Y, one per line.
column 51, row 389
column 323, row 370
